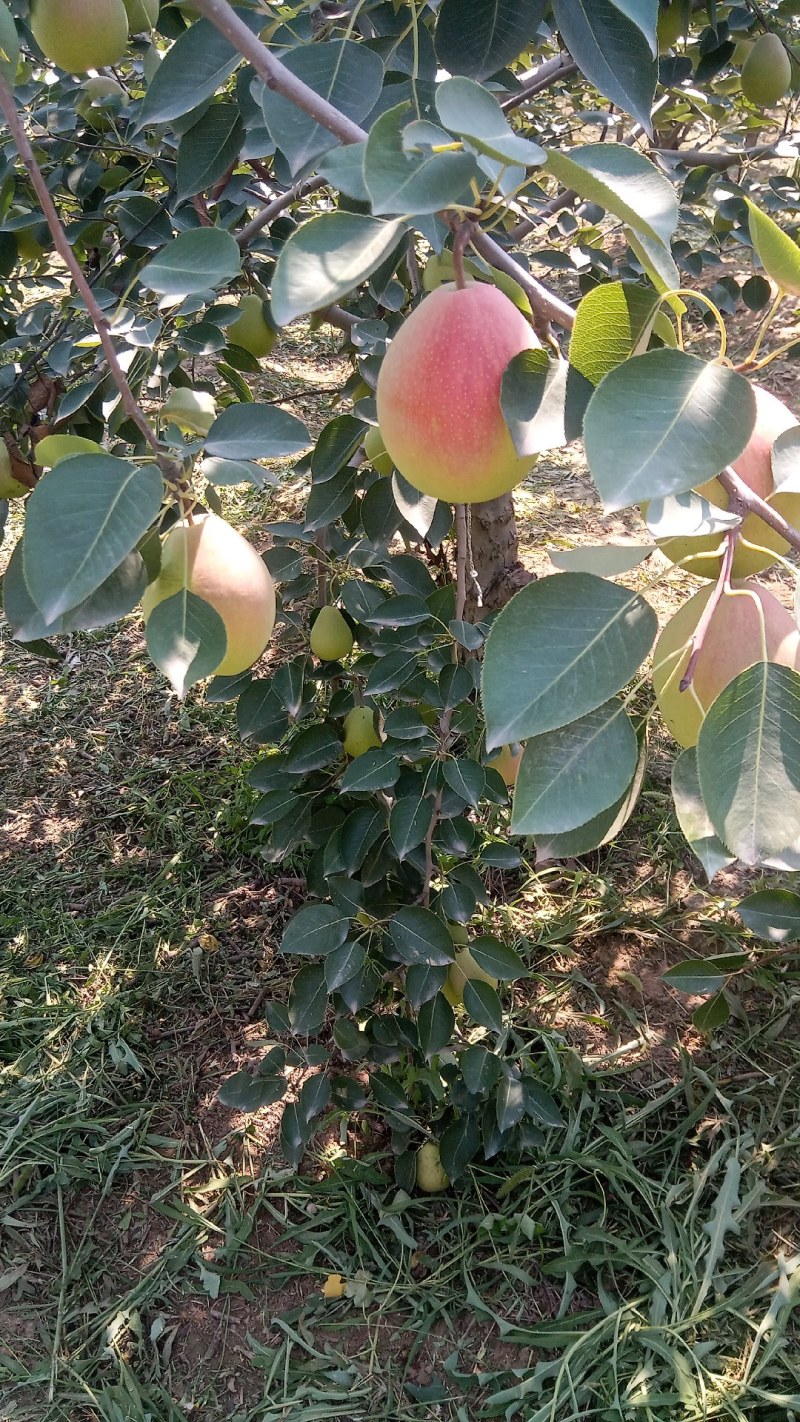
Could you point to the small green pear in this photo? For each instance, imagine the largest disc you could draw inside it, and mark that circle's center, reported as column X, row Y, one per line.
column 507, row 762
column 359, row 731
column 142, row 14
column 251, row 330
column 78, row 35
column 462, row 971
column 766, row 72
column 193, row 411
column 431, row 1174
column 375, row 450
column 331, row 637
column 10, row 488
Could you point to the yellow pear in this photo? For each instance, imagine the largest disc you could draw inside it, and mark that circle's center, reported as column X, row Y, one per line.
column 463, row 970
column 193, row 411
column 251, row 330
column 331, row 637
column 359, row 731
column 766, row 72
column 431, row 1176
column 507, row 762
column 80, row 34
column 10, row 488
column 216, row 563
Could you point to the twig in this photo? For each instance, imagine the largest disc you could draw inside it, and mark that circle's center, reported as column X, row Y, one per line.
column 562, row 67
column 276, row 207
column 545, row 303
column 723, row 586
column 719, row 160
column 746, row 499
column 129, row 401
column 461, row 236
column 462, row 554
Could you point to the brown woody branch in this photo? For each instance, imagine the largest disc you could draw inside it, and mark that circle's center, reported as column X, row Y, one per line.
column 278, row 205
column 744, row 498
column 547, row 74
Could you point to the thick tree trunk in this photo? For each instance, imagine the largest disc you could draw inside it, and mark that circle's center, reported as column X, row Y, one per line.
column 495, row 555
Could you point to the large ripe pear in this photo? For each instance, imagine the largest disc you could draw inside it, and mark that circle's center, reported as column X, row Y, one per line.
column 748, row 626
column 439, row 394
column 766, row 72
column 214, row 561
column 754, row 465
column 80, row 34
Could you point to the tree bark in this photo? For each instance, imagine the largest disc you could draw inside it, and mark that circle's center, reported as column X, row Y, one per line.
column 495, row 555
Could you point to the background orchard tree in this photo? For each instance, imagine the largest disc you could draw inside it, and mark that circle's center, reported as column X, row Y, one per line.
column 398, row 171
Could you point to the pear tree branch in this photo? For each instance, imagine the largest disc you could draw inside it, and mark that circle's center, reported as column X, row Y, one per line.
column 746, row 500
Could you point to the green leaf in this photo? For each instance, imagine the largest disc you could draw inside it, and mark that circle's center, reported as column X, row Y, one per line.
column 328, row 501
column 207, row 150
column 375, row 769
column 603, row 828
column 401, row 181
column 80, row 522
column 687, row 515
column 539, row 1104
column 711, row 1014
column 569, row 775
column 480, row 1069
column 308, row 1000
column 436, row 1022
column 115, row 597
column 778, row 253
column 693, row 816
column 623, row 182
column 773, row 914
column 748, row 760
column 474, row 114
column 721, row 1223
column 260, row 714
column 191, row 71
column 696, row 977
column 692, row 419
column 478, row 38
column 423, row 982
column 186, row 639
column 482, row 1003
column 248, row 1091
column 337, row 444
column 253, row 431
column 9, row 46
column 510, row 1101
column 315, row 930
column 347, row 74
column 328, row 257
column 312, row 750
column 533, row 396
column 198, row 260
column 612, row 322
column 343, row 963
column 467, row 778
column 611, row 51
column 409, row 822
column 458, row 1144
column 497, row 959
column 226, row 473
column 658, row 264
column 419, row 936
column 604, row 560
column 560, row 648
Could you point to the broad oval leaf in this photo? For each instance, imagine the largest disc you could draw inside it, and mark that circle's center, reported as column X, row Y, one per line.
column 606, row 560
column 569, row 775
column 328, row 257
column 664, row 422
column 623, row 182
column 315, row 931
column 695, row 977
column 191, row 70
column 693, row 816
column 478, row 39
column 186, row 639
column 748, row 759
column 778, row 253
column 559, row 649
column 419, row 936
column 209, row 148
column 115, row 597
column 252, row 431
column 603, row 828
column 611, row 323
column 497, row 959
column 458, row 1144
column 612, row 51
column 198, row 260
column 347, row 74
column 435, row 1022
column 773, row 914
column 474, row 114
column 80, row 522
column 402, row 181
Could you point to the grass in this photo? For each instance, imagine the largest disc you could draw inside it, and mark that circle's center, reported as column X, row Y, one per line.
column 157, row 1258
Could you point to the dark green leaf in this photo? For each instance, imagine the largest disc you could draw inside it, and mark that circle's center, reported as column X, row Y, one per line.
column 347, row 74
column 315, row 931
column 313, row 750
column 773, row 914
column 337, row 444
column 711, row 1014
column 186, row 639
column 497, row 959
column 207, row 150
column 195, row 261
column 344, row 963
column 308, row 1000
column 693, row 816
column 245, row 1091
column 569, row 775
column 315, row 1095
column 409, row 822
column 423, row 982
column 611, row 51
column 253, row 431
column 459, row 1144
column 482, row 1003
column 191, row 70
column 539, row 1104
column 696, row 977
column 478, row 39
column 328, row 257
column 467, row 778
column 376, row 769
column 436, row 1022
column 401, row 180
column 474, row 114
column 480, row 1069
column 418, row 936
column 509, row 1101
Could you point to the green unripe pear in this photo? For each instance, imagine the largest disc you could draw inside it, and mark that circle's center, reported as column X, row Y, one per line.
column 375, row 450
column 193, row 411
column 78, row 35
column 459, row 933
column 747, row 625
column 462, row 971
column 91, row 105
column 670, row 26
column 53, row 448
column 215, row 562
column 331, row 637
column 507, row 762
column 142, row 14
column 744, row 48
column 10, row 488
column 767, row 72
column 431, row 1175
column 251, row 330
column 359, row 731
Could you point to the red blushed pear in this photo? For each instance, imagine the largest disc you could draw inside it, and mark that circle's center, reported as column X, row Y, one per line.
column 438, row 394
